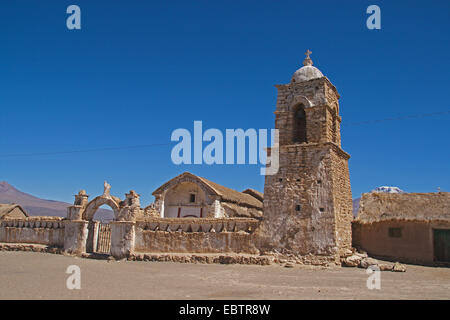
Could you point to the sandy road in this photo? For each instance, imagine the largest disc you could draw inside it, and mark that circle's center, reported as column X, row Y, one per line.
column 28, row 275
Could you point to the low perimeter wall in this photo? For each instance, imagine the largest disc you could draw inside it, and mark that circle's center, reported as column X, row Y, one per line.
column 158, row 235
column 196, row 235
column 39, row 230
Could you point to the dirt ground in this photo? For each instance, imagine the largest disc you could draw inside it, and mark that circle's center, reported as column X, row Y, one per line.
column 28, row 275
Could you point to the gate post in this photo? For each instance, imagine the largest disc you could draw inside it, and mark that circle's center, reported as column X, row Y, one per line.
column 76, row 229
column 122, row 239
column 75, row 236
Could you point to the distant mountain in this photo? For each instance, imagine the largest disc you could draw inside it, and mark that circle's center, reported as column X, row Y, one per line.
column 378, row 189
column 388, row 189
column 40, row 207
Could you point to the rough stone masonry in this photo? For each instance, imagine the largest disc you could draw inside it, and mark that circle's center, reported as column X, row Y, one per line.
column 308, row 203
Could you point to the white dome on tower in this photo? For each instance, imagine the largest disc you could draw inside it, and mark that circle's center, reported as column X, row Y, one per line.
column 307, row 72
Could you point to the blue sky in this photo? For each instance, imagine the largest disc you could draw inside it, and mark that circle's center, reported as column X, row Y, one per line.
column 137, row 70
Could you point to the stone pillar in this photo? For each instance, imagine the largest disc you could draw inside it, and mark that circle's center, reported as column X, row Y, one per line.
column 122, row 239
column 76, row 230
column 81, row 199
column 75, row 212
column 75, row 236
column 132, row 208
column 132, row 199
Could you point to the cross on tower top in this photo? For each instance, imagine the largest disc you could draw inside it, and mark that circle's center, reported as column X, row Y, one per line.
column 307, row 61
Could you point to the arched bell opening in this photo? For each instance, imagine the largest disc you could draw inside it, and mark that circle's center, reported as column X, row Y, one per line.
column 299, row 124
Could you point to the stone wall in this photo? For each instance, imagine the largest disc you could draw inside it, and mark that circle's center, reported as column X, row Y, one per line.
column 207, row 235
column 195, row 242
column 46, row 231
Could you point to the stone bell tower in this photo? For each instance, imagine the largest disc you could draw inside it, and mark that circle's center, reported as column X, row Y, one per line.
column 308, row 203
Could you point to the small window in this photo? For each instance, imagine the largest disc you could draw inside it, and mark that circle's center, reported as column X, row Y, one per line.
column 192, row 199
column 281, row 180
column 319, row 181
column 395, row 232
column 297, row 207
column 321, row 209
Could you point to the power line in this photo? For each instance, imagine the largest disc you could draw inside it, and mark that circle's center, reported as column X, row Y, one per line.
column 170, row 143
column 412, row 116
column 84, row 150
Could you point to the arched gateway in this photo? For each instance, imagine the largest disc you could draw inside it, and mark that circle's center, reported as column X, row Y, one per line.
column 93, row 236
column 99, row 232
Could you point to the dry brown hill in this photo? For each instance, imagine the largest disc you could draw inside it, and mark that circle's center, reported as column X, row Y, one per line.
column 40, row 207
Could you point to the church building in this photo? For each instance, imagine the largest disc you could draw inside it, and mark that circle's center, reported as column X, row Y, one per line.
column 191, row 196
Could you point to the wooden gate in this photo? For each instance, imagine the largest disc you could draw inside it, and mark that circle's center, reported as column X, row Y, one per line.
column 441, row 245
column 104, row 239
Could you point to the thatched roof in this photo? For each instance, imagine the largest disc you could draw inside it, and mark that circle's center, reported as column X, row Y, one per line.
column 6, row 208
column 225, row 194
column 375, row 207
column 240, row 211
column 254, row 193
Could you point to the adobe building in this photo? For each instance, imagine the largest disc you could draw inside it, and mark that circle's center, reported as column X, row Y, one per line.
column 308, row 203
column 405, row 227
column 188, row 195
column 12, row 211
